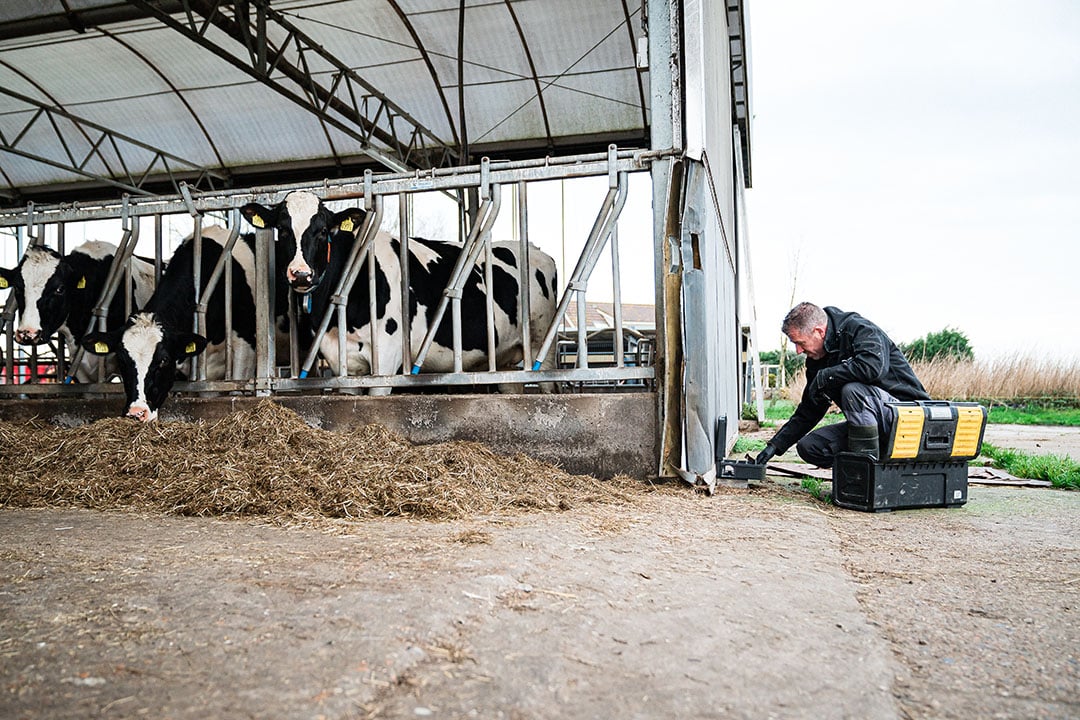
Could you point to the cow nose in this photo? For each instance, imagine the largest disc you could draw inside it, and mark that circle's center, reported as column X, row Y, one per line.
column 139, row 413
column 24, row 336
column 301, row 278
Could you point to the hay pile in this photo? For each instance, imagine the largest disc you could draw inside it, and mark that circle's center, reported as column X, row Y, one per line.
column 267, row 462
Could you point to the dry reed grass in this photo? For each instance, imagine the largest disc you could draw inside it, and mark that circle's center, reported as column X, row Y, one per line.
column 1008, row 379
column 266, row 462
column 1004, row 380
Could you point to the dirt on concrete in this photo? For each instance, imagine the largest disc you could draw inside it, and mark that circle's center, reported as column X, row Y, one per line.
column 747, row 604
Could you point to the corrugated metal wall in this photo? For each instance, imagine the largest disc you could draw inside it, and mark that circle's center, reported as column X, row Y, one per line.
column 703, row 254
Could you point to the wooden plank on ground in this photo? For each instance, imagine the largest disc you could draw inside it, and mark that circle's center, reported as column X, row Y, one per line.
column 976, row 475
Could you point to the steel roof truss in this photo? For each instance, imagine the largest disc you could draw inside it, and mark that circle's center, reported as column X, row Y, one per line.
column 337, row 103
column 95, row 136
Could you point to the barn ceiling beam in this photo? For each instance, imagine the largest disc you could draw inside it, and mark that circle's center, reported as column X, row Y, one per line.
column 99, row 153
column 301, row 70
column 740, row 78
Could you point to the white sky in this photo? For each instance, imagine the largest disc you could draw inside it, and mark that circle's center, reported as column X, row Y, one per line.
column 920, row 164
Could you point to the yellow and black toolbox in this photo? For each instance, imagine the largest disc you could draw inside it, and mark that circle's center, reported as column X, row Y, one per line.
column 923, row 463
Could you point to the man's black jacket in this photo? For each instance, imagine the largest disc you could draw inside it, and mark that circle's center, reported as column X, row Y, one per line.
column 856, row 350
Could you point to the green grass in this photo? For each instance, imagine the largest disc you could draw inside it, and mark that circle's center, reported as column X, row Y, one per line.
column 750, row 445
column 779, row 409
column 999, row 414
column 782, row 410
column 1063, row 472
column 815, row 488
column 1034, row 415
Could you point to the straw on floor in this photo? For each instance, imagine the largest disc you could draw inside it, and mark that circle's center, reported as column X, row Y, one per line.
column 267, row 462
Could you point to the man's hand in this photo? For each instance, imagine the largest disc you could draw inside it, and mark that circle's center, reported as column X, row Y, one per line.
column 765, row 455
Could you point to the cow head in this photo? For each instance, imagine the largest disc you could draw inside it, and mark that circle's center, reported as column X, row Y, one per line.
column 148, row 353
column 44, row 284
column 307, row 227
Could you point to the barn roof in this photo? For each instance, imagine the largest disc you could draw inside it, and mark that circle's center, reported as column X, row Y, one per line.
column 99, row 97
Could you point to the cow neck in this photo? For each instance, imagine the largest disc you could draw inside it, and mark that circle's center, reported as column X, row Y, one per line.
column 82, row 301
column 338, row 249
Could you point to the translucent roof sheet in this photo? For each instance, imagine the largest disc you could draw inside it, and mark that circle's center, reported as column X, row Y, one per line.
column 100, row 97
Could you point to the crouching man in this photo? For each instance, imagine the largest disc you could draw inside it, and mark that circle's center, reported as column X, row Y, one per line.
column 849, row 361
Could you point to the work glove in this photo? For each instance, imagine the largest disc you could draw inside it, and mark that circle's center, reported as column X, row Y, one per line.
column 765, row 455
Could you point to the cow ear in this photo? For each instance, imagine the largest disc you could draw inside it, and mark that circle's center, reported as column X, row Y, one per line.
column 349, row 220
column 259, row 216
column 186, row 345
column 5, row 278
column 101, row 343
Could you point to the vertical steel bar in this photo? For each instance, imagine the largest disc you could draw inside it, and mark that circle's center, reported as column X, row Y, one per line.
column 524, row 277
column 582, row 329
column 159, row 241
column 404, row 209
column 264, row 309
column 230, row 351
column 376, row 368
column 198, row 369
column 616, row 297
column 294, row 333
column 489, row 296
column 61, row 347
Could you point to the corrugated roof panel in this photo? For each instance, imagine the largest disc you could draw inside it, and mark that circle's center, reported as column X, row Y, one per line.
column 570, row 35
column 251, row 125
column 586, row 104
column 506, row 111
column 185, row 65
column 107, row 71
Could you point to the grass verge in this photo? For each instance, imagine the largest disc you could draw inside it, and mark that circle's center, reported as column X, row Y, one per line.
column 1063, row 472
column 1030, row 414
column 1034, row 415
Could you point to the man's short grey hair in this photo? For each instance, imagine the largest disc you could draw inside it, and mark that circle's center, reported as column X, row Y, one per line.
column 803, row 317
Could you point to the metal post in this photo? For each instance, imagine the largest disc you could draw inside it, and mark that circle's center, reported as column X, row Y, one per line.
column 524, row 276
column 264, row 309
column 616, row 297
column 198, row 369
column 404, row 207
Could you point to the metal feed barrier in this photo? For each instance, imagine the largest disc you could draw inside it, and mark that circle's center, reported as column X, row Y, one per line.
column 305, row 374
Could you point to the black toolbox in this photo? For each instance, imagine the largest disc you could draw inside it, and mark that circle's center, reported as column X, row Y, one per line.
column 923, row 462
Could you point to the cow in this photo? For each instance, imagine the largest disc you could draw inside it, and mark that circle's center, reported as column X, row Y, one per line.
column 57, row 293
column 153, row 343
column 320, row 242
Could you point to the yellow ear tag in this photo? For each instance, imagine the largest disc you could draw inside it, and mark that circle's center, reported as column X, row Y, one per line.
column 82, row 284
column 3, row 283
column 189, row 348
column 347, row 225
column 257, row 221
column 101, row 347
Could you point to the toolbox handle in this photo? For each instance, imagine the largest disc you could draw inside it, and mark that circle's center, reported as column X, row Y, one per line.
column 938, row 442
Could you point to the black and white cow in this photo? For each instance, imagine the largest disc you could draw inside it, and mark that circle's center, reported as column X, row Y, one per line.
column 317, row 264
column 57, row 293
column 153, row 342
